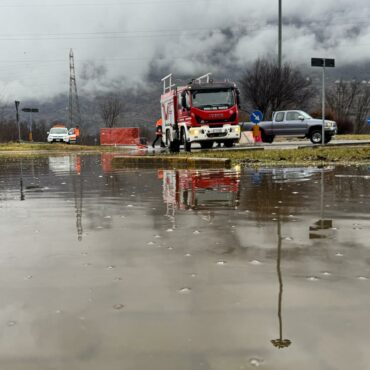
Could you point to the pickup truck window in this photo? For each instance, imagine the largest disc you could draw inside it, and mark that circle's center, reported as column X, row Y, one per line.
column 292, row 116
column 279, row 117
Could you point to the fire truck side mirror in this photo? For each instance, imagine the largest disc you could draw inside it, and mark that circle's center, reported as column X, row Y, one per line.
column 238, row 98
column 183, row 100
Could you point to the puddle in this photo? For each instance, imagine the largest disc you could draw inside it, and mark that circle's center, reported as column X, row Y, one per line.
column 192, row 268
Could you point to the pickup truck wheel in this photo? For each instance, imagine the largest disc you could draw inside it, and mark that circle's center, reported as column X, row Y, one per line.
column 206, row 144
column 316, row 137
column 327, row 139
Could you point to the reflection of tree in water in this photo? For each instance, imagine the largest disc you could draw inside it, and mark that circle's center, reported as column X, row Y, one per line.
column 280, row 342
column 262, row 199
column 350, row 184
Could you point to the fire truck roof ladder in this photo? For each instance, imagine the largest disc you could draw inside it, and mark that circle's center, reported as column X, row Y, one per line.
column 167, row 83
column 205, row 77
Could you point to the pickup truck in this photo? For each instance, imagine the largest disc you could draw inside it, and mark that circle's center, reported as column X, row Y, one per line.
column 294, row 123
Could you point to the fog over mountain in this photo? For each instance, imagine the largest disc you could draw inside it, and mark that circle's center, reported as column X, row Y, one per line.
column 122, row 44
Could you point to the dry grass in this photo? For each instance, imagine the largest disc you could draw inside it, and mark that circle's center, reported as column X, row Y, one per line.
column 45, row 147
column 306, row 156
column 352, row 137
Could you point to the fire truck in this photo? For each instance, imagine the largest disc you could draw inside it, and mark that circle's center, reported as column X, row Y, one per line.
column 202, row 111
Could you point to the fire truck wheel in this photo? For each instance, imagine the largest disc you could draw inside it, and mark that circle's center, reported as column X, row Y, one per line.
column 168, row 138
column 206, row 145
column 175, row 146
column 228, row 143
column 187, row 146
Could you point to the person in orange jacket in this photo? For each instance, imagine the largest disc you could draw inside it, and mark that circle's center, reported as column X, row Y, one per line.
column 77, row 133
column 158, row 133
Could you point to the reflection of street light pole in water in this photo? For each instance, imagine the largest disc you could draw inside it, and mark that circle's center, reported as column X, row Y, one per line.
column 321, row 228
column 280, row 342
column 21, row 182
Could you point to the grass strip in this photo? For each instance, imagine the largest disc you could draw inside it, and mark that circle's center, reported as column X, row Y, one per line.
column 305, row 156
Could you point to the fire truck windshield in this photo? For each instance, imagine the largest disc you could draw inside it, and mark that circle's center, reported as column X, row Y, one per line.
column 213, row 99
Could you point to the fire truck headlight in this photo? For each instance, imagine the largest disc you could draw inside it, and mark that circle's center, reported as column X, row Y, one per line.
column 237, row 129
column 194, row 132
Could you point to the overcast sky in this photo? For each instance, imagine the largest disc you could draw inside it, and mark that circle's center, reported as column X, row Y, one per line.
column 117, row 43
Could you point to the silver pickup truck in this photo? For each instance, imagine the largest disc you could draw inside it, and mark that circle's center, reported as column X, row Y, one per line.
column 294, row 123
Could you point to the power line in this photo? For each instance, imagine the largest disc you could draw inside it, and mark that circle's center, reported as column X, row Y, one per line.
column 123, row 3
column 160, row 32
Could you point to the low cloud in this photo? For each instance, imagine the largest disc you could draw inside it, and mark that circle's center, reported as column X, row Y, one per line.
column 135, row 43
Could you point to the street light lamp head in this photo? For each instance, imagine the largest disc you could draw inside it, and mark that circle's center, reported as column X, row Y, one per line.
column 281, row 343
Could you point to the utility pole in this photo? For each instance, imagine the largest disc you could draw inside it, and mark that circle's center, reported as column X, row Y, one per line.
column 74, row 105
column 280, row 36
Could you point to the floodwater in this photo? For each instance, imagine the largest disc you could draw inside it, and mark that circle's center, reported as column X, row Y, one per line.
column 147, row 269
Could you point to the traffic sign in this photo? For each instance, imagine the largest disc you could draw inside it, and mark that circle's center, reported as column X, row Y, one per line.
column 256, row 116
column 322, row 62
column 368, row 120
column 31, row 110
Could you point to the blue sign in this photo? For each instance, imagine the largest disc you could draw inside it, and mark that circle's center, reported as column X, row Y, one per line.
column 368, row 120
column 256, row 116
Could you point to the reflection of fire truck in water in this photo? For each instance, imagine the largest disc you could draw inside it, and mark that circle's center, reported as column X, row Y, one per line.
column 201, row 189
column 202, row 111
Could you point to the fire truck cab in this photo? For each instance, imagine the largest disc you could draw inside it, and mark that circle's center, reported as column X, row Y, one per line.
column 201, row 112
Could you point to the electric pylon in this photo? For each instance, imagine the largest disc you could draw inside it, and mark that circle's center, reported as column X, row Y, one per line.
column 74, row 105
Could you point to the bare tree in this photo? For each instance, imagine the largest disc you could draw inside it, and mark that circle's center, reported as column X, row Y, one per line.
column 268, row 88
column 341, row 98
column 362, row 105
column 110, row 106
column 350, row 102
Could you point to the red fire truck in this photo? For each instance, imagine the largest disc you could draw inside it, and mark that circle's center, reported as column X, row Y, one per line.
column 201, row 112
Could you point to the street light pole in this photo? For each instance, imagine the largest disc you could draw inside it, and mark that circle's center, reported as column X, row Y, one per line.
column 280, row 35
column 17, row 119
column 323, row 106
column 323, row 62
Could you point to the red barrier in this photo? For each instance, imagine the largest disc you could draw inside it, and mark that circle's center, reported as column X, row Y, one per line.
column 119, row 136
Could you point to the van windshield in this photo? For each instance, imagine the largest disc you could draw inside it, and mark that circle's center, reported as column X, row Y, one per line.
column 213, row 99
column 59, row 130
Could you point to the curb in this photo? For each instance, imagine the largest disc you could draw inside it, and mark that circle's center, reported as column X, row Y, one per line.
column 169, row 162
